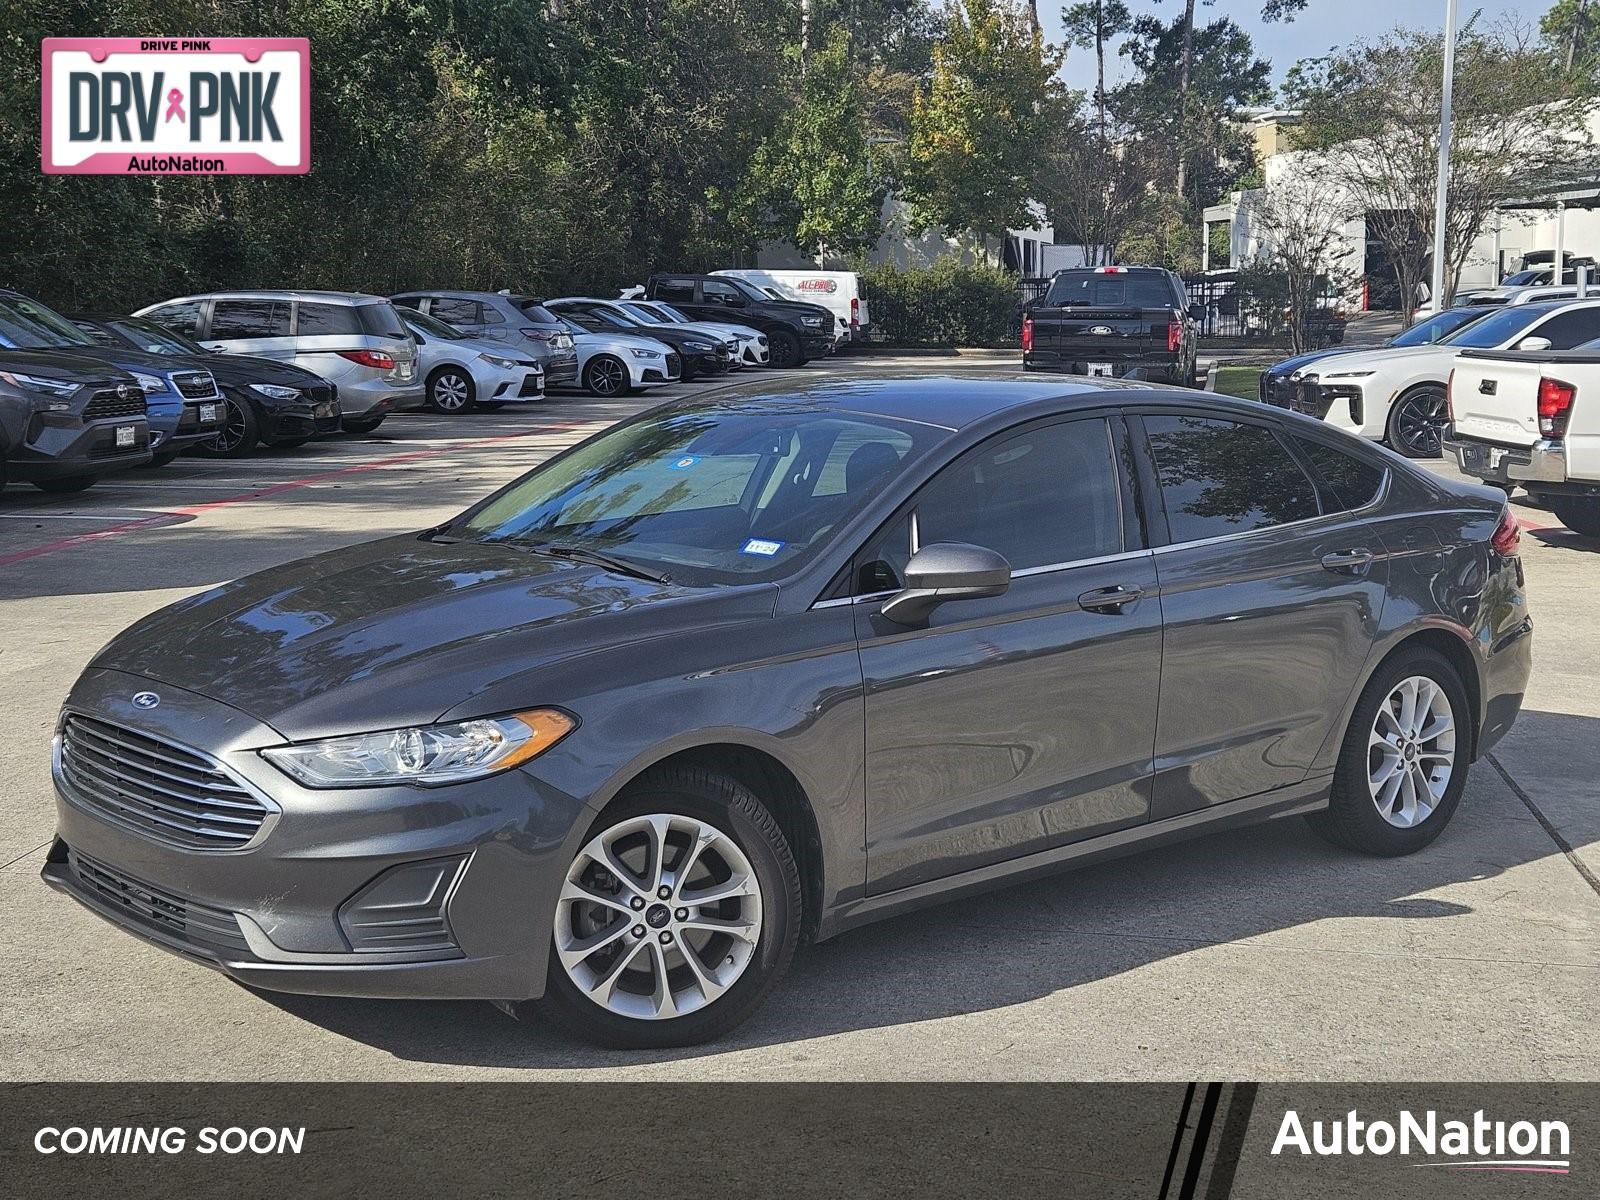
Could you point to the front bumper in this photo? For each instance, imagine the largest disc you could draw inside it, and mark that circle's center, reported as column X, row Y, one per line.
column 1543, row 462
column 62, row 447
column 292, row 909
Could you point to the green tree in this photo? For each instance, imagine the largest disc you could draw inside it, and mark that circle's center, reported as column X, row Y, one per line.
column 979, row 129
column 1572, row 32
column 814, row 182
column 1092, row 24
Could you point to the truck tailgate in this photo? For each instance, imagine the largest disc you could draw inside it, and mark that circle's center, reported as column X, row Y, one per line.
column 1496, row 400
column 1100, row 334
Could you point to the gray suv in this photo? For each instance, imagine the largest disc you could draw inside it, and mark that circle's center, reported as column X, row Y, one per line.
column 520, row 323
column 356, row 342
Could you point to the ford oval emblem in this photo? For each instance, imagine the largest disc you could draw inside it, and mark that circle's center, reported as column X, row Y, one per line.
column 146, row 700
column 1100, row 330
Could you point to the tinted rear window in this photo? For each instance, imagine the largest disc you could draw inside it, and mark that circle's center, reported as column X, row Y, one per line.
column 1220, row 477
column 381, row 320
column 538, row 313
column 1354, row 483
column 1094, row 289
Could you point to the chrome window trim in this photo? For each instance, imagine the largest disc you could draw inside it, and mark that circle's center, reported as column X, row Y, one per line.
column 1377, row 500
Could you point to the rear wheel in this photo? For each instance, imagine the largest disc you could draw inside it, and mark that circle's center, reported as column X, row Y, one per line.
column 1403, row 763
column 677, row 916
column 450, row 391
column 1581, row 514
column 784, row 350
column 67, row 484
column 606, row 375
column 362, row 425
column 1417, row 421
column 239, row 433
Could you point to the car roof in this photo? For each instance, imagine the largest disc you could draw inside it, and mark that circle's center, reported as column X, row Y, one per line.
column 947, row 401
column 350, row 298
column 444, row 293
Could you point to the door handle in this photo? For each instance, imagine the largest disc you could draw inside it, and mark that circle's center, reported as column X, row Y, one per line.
column 1109, row 599
column 1348, row 562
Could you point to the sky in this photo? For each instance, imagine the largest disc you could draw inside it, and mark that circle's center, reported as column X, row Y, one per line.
column 1324, row 24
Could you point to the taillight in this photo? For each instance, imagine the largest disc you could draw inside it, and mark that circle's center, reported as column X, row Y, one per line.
column 1174, row 336
column 1027, row 334
column 369, row 358
column 539, row 335
column 1555, row 406
column 855, row 313
column 1450, row 395
column 1507, row 537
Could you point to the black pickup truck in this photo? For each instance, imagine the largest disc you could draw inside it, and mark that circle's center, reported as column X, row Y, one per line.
column 1119, row 322
column 795, row 331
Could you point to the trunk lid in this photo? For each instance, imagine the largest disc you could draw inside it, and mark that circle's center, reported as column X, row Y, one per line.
column 1496, row 399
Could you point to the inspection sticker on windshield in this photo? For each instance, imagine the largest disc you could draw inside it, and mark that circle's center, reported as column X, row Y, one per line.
column 684, row 463
column 761, row 546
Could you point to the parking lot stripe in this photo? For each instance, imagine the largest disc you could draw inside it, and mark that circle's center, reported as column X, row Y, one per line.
column 167, row 518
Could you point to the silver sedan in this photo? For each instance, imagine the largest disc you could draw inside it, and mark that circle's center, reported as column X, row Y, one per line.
column 459, row 372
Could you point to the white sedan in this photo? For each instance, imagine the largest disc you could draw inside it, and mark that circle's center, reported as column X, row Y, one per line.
column 750, row 345
column 613, row 364
column 1397, row 395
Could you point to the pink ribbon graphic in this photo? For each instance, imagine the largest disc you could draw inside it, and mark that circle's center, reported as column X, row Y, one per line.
column 175, row 105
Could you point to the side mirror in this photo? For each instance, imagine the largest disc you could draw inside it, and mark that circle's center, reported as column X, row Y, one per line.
column 1197, row 311
column 1534, row 343
column 946, row 571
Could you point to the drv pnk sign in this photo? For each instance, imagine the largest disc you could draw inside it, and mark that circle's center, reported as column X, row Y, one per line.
column 176, row 106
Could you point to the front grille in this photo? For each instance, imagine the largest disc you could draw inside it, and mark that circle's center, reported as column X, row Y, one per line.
column 319, row 393
column 114, row 402
column 1310, row 398
column 152, row 908
column 194, row 385
column 674, row 365
column 532, row 385
column 164, row 791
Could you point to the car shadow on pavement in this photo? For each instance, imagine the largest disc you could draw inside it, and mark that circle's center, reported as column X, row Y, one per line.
column 1022, row 943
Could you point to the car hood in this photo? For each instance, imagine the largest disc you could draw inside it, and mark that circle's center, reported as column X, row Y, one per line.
column 484, row 346
column 623, row 341
column 53, row 364
column 1289, row 365
column 1376, row 359
column 247, row 368
column 401, row 631
column 796, row 308
column 139, row 360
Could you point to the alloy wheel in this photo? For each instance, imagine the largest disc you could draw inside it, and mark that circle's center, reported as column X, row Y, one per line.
column 1420, row 421
column 1411, row 752
column 659, row 916
column 607, row 377
column 451, row 392
column 235, row 428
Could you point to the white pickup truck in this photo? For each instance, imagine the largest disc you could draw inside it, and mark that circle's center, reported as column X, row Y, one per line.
column 1531, row 417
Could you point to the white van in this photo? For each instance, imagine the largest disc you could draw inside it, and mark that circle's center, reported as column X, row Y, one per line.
column 837, row 291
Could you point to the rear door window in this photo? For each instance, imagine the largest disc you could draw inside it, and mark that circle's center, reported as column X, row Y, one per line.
column 249, row 319
column 1354, row 483
column 456, row 311
column 675, row 289
column 325, row 320
column 1219, row 477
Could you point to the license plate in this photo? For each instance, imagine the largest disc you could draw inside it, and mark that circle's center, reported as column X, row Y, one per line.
column 208, row 412
column 324, row 410
column 1100, row 368
column 126, row 434
column 1496, row 455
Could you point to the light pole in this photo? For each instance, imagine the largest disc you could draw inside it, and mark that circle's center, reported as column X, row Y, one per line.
column 1441, row 195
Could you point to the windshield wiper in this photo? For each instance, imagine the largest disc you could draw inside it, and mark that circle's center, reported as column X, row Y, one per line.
column 620, row 565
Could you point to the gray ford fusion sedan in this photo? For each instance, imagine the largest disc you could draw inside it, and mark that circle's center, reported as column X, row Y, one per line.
column 764, row 665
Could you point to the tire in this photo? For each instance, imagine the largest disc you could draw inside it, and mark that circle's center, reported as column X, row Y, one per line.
column 363, row 425
column 1417, row 422
column 450, row 391
column 240, row 432
column 1355, row 816
column 1581, row 514
column 606, row 375
column 694, row 800
column 67, row 485
column 783, row 351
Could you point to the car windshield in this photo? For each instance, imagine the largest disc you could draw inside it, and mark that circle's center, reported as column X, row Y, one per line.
column 707, row 496
column 1498, row 327
column 1436, row 327
column 640, row 313
column 30, row 325
column 571, row 327
column 432, row 326
column 669, row 313
column 153, row 338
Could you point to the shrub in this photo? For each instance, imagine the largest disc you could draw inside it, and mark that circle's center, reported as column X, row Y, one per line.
column 949, row 303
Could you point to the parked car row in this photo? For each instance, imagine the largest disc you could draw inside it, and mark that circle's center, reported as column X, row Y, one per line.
column 221, row 373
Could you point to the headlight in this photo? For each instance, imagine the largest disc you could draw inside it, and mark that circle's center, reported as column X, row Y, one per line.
column 643, row 353
column 427, row 756
column 1349, row 375
column 33, row 383
column 812, row 321
column 150, row 383
column 505, row 364
column 698, row 347
column 275, row 392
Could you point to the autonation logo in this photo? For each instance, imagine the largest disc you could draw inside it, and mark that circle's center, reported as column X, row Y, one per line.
column 1478, row 1144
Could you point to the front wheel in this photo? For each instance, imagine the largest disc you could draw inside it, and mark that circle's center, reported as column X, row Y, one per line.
column 606, row 375
column 1581, row 514
column 1403, row 763
column 450, row 391
column 676, row 918
column 783, row 350
column 238, row 436
column 1418, row 420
